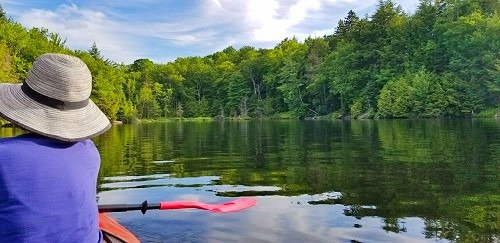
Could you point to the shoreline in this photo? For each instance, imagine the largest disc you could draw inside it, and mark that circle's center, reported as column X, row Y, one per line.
column 211, row 119
column 331, row 117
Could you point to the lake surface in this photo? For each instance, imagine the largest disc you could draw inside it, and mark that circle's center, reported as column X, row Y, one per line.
column 316, row 181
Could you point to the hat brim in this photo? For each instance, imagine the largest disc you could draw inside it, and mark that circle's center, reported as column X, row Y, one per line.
column 65, row 125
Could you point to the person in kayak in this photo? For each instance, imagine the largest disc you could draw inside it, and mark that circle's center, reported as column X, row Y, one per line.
column 48, row 176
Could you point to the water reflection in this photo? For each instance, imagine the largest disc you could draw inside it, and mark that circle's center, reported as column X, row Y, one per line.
column 368, row 180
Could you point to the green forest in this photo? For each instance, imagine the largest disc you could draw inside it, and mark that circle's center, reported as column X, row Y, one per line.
column 443, row 60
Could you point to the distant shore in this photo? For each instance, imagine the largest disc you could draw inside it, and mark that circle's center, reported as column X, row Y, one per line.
column 490, row 113
column 322, row 118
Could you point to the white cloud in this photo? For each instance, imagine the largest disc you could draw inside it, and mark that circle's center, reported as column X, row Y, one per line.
column 274, row 20
column 180, row 33
column 267, row 25
column 216, row 3
column 82, row 27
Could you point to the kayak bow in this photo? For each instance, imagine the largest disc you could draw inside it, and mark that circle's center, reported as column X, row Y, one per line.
column 113, row 232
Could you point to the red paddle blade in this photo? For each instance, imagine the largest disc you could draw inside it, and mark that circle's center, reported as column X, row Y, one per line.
column 232, row 206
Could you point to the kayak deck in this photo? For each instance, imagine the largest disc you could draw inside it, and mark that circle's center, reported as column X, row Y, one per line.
column 113, row 232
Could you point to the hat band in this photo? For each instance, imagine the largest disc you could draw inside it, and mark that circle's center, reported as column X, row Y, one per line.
column 51, row 102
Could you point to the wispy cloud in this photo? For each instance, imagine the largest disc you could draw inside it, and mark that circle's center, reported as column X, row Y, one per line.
column 83, row 26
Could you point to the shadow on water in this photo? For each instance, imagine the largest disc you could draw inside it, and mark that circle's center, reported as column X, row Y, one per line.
column 391, row 180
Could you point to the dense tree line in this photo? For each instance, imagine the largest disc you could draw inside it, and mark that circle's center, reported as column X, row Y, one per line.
column 443, row 60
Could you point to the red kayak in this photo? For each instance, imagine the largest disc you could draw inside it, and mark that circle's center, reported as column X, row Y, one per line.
column 113, row 232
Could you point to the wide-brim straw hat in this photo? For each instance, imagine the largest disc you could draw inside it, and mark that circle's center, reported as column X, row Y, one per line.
column 54, row 100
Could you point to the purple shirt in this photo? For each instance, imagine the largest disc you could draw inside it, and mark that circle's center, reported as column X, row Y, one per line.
column 48, row 190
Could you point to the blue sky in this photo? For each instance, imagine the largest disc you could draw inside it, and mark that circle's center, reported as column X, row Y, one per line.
column 162, row 30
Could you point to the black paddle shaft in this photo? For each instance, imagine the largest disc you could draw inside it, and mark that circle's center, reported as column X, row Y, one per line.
column 128, row 207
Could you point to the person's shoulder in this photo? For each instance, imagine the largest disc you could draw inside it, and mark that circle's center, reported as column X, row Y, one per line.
column 14, row 145
column 6, row 142
column 34, row 140
column 87, row 143
column 14, row 140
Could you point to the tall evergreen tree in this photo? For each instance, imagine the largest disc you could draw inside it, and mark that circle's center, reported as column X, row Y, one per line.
column 94, row 52
column 3, row 16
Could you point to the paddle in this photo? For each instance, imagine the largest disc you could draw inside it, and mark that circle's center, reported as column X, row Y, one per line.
column 232, row 206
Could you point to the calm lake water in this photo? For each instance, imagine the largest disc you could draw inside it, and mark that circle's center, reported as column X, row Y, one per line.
column 316, row 181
